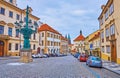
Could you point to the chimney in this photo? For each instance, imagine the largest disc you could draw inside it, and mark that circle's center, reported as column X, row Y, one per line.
column 102, row 7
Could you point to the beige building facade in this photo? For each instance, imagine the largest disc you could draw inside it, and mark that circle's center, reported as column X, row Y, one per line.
column 109, row 20
column 64, row 45
column 10, row 39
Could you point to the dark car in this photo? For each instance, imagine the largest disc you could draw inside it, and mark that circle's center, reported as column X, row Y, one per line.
column 76, row 55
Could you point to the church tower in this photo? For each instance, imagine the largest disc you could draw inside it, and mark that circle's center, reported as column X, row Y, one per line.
column 13, row 2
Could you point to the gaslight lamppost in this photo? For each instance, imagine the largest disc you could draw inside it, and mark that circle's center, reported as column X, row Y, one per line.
column 26, row 30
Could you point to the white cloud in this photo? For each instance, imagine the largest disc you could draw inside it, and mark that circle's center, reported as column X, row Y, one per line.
column 79, row 12
column 67, row 16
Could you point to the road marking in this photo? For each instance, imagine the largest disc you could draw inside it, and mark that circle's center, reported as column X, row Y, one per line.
column 93, row 72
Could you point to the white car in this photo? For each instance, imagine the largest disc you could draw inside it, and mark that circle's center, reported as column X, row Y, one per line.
column 34, row 56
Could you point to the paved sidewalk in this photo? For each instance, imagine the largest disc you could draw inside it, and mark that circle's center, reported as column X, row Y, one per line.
column 9, row 57
column 111, row 66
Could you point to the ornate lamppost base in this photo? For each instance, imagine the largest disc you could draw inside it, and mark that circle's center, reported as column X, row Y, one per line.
column 25, row 55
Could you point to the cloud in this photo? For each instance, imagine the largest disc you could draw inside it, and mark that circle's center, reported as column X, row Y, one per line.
column 67, row 16
column 79, row 12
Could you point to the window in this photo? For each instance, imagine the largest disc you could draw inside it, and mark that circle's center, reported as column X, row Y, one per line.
column 34, row 36
column 107, row 32
column 51, row 35
column 102, row 49
column 11, row 14
column 108, row 49
column 2, row 11
column 10, row 46
column 35, row 23
column 102, row 35
column 11, row 1
column 34, row 47
column 17, row 16
column 106, row 14
column 48, row 34
column 42, row 34
column 10, row 31
column 1, row 29
column 16, row 46
column 24, row 19
column 101, row 21
column 111, row 8
column 48, row 43
column 17, row 32
column 42, row 43
column 112, row 29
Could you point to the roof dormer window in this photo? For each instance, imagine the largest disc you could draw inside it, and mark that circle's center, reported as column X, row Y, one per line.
column 11, row 1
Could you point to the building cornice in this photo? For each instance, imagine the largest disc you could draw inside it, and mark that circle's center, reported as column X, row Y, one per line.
column 105, row 8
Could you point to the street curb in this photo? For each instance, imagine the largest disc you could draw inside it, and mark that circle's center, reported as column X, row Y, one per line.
column 111, row 70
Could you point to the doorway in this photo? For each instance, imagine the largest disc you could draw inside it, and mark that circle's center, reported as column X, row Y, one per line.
column 1, row 48
column 113, row 51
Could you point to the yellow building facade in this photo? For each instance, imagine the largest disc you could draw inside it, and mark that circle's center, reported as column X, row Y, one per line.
column 10, row 39
column 109, row 20
column 92, row 42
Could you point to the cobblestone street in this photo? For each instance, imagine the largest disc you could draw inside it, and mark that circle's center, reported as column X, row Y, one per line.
column 53, row 67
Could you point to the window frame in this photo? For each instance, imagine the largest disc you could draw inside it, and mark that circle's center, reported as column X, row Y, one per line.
column 111, row 9
column 112, row 29
column 1, row 29
column 17, row 17
column 10, row 14
column 10, row 31
column 16, row 46
column 2, row 11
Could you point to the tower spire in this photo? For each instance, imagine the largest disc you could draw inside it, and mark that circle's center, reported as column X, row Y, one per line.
column 80, row 32
column 69, row 39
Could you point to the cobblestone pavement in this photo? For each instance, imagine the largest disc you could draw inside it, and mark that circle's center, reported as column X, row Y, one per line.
column 53, row 67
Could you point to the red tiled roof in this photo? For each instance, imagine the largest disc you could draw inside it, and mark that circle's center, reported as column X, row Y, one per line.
column 79, row 38
column 63, row 38
column 45, row 27
column 95, row 36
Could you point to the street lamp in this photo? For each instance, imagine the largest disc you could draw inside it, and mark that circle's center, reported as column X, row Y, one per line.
column 27, row 30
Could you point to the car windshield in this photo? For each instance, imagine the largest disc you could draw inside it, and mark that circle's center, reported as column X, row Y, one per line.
column 96, row 58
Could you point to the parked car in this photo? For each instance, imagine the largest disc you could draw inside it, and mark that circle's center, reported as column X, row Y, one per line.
column 35, row 56
column 76, row 55
column 94, row 61
column 44, row 56
column 83, row 58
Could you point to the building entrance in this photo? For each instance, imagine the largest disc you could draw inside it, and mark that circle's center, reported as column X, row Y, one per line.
column 1, row 48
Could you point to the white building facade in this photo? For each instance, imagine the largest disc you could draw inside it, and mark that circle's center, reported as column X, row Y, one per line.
column 49, row 40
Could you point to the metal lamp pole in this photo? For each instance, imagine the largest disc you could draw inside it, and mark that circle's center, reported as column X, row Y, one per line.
column 27, row 31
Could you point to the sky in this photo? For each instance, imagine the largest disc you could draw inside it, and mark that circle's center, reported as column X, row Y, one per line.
column 67, row 16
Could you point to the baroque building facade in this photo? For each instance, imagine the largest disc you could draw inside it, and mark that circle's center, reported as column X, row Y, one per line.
column 11, row 41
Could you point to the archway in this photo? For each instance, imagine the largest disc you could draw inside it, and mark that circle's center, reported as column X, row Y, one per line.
column 1, row 48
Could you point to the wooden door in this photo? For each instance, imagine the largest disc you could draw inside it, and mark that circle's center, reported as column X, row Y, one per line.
column 1, row 48
column 113, row 51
